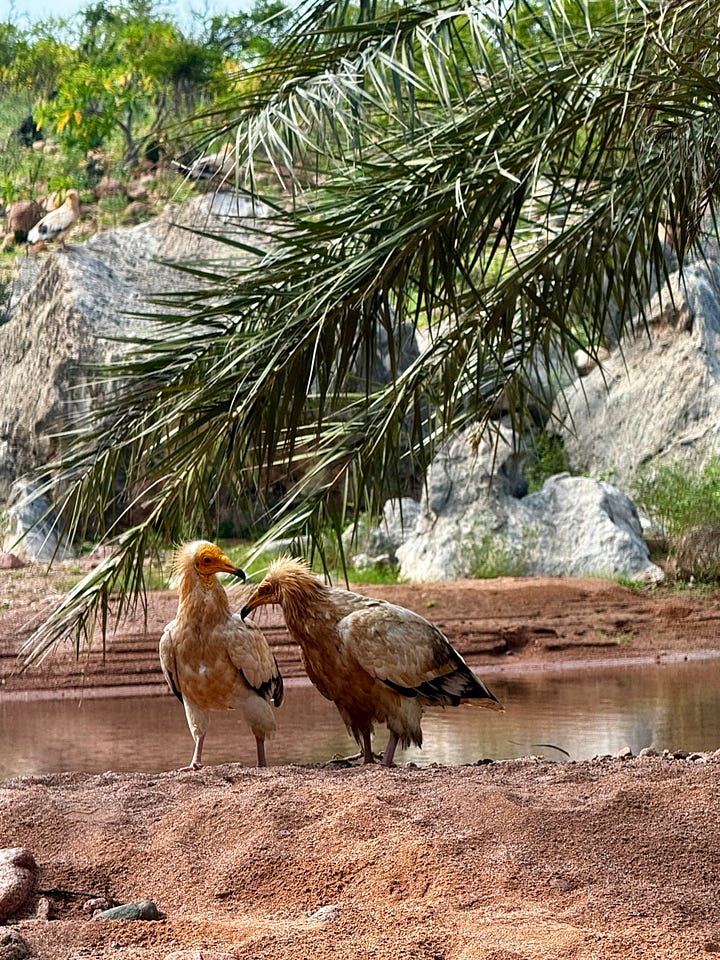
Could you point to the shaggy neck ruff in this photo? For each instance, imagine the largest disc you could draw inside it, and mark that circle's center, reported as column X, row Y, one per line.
column 299, row 593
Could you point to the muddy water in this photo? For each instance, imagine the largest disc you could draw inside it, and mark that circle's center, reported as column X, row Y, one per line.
column 584, row 712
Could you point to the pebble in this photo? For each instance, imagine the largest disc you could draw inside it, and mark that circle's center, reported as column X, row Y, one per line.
column 97, row 903
column 137, row 910
column 13, row 946
column 8, row 561
column 330, row 912
column 18, row 879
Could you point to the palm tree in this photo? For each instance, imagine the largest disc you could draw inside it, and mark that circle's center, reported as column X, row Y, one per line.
column 497, row 175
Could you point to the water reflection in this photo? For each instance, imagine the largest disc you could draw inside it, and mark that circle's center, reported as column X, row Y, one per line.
column 584, row 712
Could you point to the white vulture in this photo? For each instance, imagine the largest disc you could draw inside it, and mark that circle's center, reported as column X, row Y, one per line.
column 377, row 662
column 211, row 658
column 55, row 223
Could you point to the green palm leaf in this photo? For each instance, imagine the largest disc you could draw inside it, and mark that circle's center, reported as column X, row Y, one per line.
column 494, row 182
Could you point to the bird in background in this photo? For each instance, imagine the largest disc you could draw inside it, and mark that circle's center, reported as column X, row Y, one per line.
column 378, row 662
column 55, row 223
column 211, row 658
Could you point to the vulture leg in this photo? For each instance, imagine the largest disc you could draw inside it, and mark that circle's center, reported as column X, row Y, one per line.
column 387, row 759
column 198, row 722
column 260, row 752
column 196, row 762
column 368, row 756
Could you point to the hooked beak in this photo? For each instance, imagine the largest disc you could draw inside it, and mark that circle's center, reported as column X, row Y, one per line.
column 249, row 606
column 227, row 566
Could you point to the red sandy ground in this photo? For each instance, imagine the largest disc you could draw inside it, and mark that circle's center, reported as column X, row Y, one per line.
column 514, row 860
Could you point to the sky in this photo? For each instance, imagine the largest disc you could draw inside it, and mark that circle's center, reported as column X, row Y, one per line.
column 24, row 12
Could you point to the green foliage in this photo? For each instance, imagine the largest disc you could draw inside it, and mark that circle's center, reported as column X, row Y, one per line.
column 492, row 557
column 126, row 70
column 546, row 458
column 676, row 498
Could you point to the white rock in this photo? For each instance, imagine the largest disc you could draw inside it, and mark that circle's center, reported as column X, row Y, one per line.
column 657, row 396
column 574, row 526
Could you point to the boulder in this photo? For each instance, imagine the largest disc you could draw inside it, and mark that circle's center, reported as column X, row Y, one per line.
column 9, row 561
column 18, row 880
column 378, row 545
column 656, row 397
column 33, row 529
column 68, row 311
column 477, row 519
column 109, row 187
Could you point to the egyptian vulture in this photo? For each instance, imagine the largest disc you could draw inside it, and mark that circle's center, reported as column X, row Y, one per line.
column 55, row 223
column 211, row 658
column 377, row 662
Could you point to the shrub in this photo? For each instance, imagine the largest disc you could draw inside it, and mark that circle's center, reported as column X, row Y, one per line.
column 493, row 557
column 697, row 553
column 547, row 458
column 676, row 499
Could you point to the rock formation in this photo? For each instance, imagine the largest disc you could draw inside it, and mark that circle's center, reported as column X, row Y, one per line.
column 68, row 311
column 657, row 395
column 477, row 519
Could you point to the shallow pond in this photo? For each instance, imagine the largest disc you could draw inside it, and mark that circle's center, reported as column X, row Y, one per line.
column 582, row 711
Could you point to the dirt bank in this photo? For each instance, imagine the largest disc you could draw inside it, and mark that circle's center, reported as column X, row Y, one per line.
column 507, row 861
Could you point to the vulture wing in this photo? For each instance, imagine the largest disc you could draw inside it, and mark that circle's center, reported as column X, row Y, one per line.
column 167, row 660
column 410, row 655
column 249, row 653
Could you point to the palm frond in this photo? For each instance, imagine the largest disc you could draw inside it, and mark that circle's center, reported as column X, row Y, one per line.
column 490, row 177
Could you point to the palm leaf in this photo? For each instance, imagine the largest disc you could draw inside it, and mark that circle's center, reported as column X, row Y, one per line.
column 495, row 184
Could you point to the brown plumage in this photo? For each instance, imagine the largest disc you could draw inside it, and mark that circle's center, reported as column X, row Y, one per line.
column 55, row 223
column 378, row 662
column 211, row 659
column 22, row 217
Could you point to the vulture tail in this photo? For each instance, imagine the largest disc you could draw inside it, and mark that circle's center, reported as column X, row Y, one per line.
column 451, row 689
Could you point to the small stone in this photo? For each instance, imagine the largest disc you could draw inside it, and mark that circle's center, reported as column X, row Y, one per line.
column 8, row 561
column 712, row 947
column 324, row 914
column 18, row 878
column 680, row 755
column 137, row 910
column 648, row 752
column 13, row 946
column 95, row 904
column 108, row 187
column 624, row 754
column 43, row 909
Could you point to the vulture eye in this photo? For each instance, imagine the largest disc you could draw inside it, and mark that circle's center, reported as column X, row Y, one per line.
column 264, row 589
column 206, row 559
